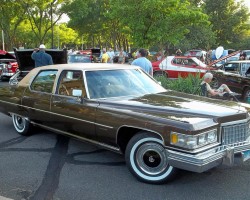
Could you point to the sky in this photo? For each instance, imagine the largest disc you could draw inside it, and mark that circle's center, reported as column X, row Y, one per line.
column 246, row 2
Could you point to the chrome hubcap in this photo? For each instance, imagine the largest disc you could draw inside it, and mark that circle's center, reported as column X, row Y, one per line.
column 20, row 122
column 151, row 158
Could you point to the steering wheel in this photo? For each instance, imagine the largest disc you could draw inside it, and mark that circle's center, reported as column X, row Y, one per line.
column 63, row 90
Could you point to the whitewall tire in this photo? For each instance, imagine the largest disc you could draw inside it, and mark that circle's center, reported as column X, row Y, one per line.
column 147, row 160
column 21, row 124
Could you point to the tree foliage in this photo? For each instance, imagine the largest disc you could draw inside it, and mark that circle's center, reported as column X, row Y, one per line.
column 126, row 23
column 11, row 15
column 157, row 21
column 42, row 15
column 229, row 20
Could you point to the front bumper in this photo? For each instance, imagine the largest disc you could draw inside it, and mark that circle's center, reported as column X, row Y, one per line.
column 222, row 155
column 6, row 74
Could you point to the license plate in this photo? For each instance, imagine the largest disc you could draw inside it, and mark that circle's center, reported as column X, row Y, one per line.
column 246, row 155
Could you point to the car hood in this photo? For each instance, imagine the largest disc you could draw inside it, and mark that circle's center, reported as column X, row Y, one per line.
column 181, row 107
column 26, row 63
column 4, row 55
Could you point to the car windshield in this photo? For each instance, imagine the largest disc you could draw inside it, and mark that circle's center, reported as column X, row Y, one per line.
column 120, row 82
column 78, row 58
column 196, row 60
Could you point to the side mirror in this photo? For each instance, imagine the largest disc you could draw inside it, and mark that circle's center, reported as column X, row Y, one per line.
column 77, row 93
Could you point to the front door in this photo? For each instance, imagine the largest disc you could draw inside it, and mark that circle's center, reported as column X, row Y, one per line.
column 74, row 115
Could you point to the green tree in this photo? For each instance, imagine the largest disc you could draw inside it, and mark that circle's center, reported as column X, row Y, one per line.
column 229, row 20
column 155, row 22
column 86, row 17
column 11, row 15
column 199, row 36
column 43, row 15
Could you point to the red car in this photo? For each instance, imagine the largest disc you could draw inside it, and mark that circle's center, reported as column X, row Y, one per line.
column 8, row 64
column 175, row 66
column 94, row 54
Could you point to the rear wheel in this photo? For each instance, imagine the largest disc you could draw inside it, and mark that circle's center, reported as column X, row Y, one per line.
column 21, row 124
column 147, row 160
column 160, row 74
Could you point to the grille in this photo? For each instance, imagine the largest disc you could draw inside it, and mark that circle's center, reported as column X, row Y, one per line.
column 235, row 133
column 3, row 68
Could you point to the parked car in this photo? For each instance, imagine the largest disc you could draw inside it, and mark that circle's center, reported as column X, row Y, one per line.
column 122, row 108
column 95, row 54
column 127, row 57
column 175, row 66
column 79, row 58
column 236, row 74
column 247, row 53
column 8, row 65
column 195, row 53
column 25, row 63
column 12, row 53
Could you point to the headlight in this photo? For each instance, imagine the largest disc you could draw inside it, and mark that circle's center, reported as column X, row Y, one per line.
column 193, row 141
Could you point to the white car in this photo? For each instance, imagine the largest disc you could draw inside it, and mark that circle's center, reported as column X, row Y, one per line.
column 175, row 66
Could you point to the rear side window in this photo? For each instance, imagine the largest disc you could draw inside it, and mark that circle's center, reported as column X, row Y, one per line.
column 44, row 81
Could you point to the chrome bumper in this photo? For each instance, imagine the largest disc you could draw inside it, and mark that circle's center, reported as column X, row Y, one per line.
column 5, row 74
column 223, row 155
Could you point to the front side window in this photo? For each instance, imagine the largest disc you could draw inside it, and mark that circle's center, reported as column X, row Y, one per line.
column 70, row 80
column 245, row 67
column 44, row 81
column 232, row 67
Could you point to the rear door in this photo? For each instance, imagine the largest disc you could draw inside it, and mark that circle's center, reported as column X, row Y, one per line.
column 36, row 98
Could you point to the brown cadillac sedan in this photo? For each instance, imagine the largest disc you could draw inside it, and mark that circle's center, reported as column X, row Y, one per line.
column 123, row 109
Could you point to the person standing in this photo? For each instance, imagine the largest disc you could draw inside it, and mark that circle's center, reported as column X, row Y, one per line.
column 40, row 57
column 105, row 56
column 111, row 54
column 143, row 62
column 178, row 52
column 121, row 56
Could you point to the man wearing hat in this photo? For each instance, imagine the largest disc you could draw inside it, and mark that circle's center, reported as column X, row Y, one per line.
column 40, row 57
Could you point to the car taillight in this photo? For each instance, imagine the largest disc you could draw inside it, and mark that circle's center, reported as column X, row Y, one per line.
column 9, row 66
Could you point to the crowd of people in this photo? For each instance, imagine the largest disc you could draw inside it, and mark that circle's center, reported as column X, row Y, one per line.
column 140, row 58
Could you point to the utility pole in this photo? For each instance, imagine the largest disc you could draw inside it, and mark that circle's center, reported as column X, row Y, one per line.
column 82, row 42
column 3, row 40
column 51, row 21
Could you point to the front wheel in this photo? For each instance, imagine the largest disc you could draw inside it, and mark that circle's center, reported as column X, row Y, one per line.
column 22, row 125
column 147, row 160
